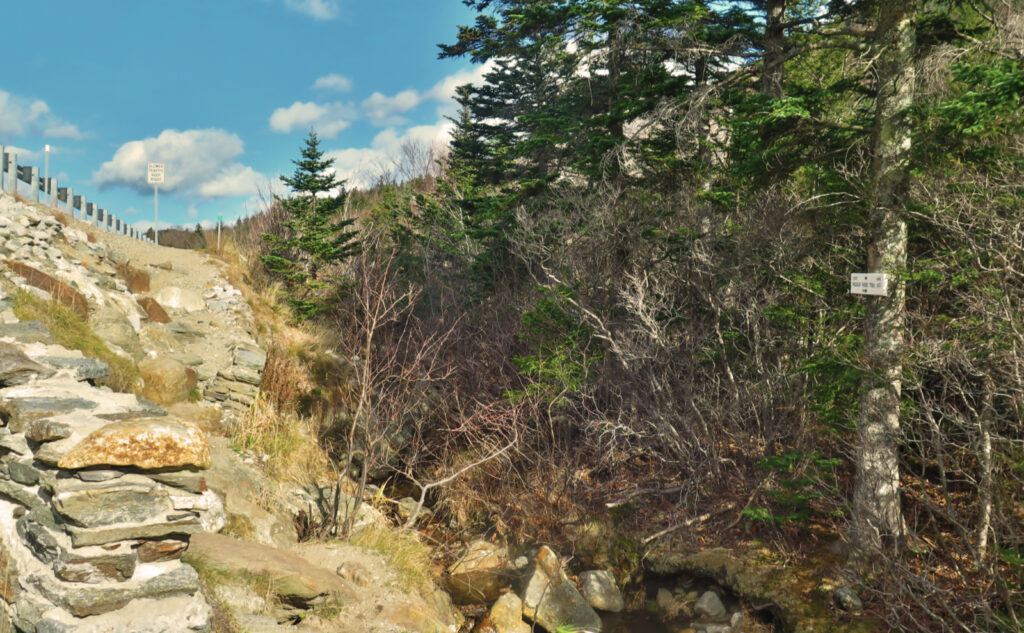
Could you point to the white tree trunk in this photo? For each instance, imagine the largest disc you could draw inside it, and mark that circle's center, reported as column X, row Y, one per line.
column 877, row 516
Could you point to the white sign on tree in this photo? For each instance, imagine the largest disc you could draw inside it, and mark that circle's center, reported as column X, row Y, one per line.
column 869, row 284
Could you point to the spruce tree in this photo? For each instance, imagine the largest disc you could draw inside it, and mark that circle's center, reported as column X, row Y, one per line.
column 312, row 242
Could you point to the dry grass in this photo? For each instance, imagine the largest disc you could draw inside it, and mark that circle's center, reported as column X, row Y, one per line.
column 71, row 330
column 286, row 443
column 405, row 554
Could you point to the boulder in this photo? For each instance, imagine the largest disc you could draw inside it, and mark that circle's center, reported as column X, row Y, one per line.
column 167, row 381
column 180, row 299
column 505, row 616
column 710, row 606
column 551, row 600
column 293, row 579
column 154, row 310
column 601, row 591
column 111, row 325
column 136, row 280
column 147, row 443
column 16, row 368
column 480, row 575
column 59, row 290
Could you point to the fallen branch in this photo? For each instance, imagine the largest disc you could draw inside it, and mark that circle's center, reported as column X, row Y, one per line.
column 689, row 522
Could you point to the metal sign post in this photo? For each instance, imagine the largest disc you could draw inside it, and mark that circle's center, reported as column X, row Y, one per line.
column 155, row 177
column 46, row 173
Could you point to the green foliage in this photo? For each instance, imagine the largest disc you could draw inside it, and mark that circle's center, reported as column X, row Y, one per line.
column 802, row 477
column 313, row 243
column 562, row 349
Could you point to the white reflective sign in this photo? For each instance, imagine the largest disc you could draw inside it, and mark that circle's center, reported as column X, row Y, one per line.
column 155, row 173
column 869, row 284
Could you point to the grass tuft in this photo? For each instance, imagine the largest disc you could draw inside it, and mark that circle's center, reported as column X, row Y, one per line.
column 406, row 554
column 71, row 330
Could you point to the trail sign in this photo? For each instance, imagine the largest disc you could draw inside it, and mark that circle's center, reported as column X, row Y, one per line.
column 869, row 284
column 155, row 173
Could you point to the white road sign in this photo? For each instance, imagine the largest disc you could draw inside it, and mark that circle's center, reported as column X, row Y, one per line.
column 869, row 284
column 155, row 173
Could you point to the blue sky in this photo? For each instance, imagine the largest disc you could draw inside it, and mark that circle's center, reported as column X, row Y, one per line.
column 221, row 91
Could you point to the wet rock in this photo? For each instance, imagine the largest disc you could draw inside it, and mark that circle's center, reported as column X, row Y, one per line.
column 16, row 368
column 480, row 574
column 551, row 600
column 710, row 606
column 166, row 381
column 145, row 443
column 601, row 591
column 847, row 599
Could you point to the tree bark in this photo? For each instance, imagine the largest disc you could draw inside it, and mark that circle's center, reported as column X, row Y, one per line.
column 774, row 43
column 877, row 516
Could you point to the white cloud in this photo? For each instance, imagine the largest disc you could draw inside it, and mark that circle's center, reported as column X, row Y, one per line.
column 327, row 119
column 193, row 212
column 316, row 9
column 334, row 82
column 383, row 110
column 22, row 153
column 198, row 163
column 444, row 90
column 360, row 166
column 20, row 116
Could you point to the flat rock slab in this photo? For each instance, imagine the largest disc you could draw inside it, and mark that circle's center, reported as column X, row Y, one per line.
column 84, row 600
column 16, row 368
column 83, row 368
column 146, row 443
column 294, row 579
column 111, row 503
column 27, row 332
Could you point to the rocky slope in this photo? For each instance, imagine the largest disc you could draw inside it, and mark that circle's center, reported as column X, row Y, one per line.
column 103, row 493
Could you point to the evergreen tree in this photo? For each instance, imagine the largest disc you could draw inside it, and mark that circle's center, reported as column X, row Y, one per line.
column 312, row 243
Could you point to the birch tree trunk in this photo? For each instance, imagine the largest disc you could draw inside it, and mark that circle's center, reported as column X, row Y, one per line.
column 877, row 520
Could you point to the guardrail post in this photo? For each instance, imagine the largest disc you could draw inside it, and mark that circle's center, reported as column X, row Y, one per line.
column 33, row 183
column 3, row 167
column 12, row 174
column 88, row 211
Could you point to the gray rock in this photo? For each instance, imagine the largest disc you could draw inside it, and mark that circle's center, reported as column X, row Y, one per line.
column 184, row 332
column 75, row 567
column 188, row 359
column 27, row 332
column 23, row 473
column 98, row 475
column 111, row 503
column 116, row 257
column 601, row 591
column 709, row 605
column 47, row 430
column 111, row 325
column 39, row 539
column 186, row 480
column 736, row 620
column 82, row 601
column 19, row 494
column 551, row 600
column 16, row 368
column 85, row 368
column 14, row 443
column 242, row 374
column 250, row 357
column 847, row 599
column 506, row 615
column 717, row 628
column 21, row 410
column 81, row 537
